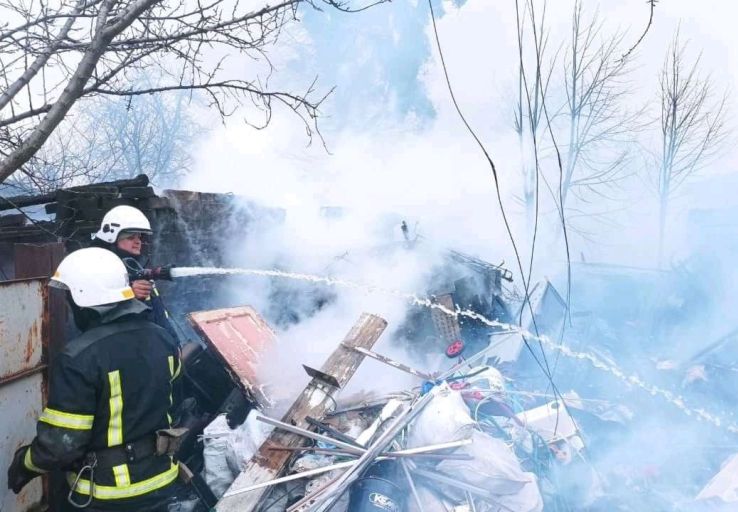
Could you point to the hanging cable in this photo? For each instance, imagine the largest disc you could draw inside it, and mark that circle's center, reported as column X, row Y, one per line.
column 491, row 163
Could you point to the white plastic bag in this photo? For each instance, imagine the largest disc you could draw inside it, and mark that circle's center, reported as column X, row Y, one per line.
column 217, row 473
column 227, row 451
column 446, row 418
column 496, row 469
column 246, row 440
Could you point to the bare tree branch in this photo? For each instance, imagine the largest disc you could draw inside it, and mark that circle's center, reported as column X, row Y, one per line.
column 97, row 47
column 691, row 128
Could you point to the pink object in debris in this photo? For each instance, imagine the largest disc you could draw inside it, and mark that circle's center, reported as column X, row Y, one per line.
column 239, row 337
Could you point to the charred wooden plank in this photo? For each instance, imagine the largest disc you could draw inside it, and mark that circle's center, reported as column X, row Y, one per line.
column 314, row 401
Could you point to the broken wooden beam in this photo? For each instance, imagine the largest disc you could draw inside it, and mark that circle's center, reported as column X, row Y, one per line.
column 314, row 401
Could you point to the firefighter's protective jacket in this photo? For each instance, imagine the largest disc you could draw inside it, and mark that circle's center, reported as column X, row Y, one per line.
column 111, row 385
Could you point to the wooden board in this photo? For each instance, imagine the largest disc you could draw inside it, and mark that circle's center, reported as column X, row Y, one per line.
column 239, row 337
column 314, row 401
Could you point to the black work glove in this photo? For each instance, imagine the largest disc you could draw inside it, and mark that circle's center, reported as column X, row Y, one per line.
column 18, row 474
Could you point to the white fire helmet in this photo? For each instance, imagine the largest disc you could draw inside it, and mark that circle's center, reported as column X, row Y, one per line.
column 122, row 219
column 94, row 277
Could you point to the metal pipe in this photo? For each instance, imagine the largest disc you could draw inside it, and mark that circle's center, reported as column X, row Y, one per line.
column 434, row 447
column 447, row 480
column 312, row 435
column 289, row 478
column 470, row 501
column 391, row 362
column 383, row 455
column 379, row 445
column 413, row 489
column 422, row 451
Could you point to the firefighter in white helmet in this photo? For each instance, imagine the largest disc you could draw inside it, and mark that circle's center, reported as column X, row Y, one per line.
column 109, row 395
column 122, row 231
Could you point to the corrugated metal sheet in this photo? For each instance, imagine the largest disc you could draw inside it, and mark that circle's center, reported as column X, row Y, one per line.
column 239, row 336
column 22, row 331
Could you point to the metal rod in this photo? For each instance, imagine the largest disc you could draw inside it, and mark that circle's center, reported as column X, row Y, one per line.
column 434, row 447
column 383, row 455
column 384, row 440
column 411, row 483
column 391, row 362
column 312, row 435
column 470, row 501
column 22, row 374
column 447, row 480
column 289, row 478
column 332, row 432
column 423, row 451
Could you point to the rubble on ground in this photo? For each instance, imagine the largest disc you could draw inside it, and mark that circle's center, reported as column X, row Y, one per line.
column 484, row 430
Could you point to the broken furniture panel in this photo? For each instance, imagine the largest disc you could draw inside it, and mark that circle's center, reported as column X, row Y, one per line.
column 239, row 336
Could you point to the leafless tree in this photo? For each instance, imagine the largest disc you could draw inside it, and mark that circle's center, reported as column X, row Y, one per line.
column 55, row 52
column 71, row 156
column 150, row 134
column 691, row 128
column 599, row 128
column 114, row 138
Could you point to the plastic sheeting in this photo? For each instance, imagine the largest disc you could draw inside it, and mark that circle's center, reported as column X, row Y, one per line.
column 226, row 451
column 496, row 469
column 723, row 488
column 446, row 418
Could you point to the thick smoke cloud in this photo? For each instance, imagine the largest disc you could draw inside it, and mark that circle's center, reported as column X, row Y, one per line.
column 399, row 152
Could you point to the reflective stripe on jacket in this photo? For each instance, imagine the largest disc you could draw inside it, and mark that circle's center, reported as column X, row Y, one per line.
column 110, row 386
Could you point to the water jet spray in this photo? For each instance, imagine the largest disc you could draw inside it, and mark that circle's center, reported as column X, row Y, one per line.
column 631, row 380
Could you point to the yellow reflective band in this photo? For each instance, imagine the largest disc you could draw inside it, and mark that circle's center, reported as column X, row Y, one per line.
column 179, row 368
column 156, row 292
column 172, row 371
column 109, row 492
column 122, row 477
column 170, row 359
column 127, row 293
column 28, row 463
column 67, row 419
column 115, row 427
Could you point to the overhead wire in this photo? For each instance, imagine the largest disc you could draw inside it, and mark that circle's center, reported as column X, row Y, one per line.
column 545, row 369
column 559, row 204
column 533, row 125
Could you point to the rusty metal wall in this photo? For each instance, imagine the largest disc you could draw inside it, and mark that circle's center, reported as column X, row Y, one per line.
column 23, row 339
